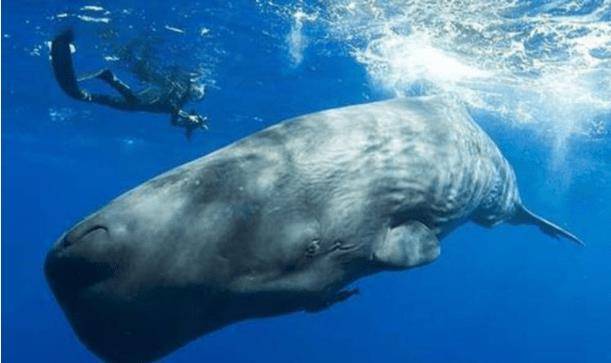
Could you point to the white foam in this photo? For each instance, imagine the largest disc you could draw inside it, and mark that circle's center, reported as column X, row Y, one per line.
column 173, row 29
column 61, row 115
column 398, row 60
column 544, row 65
column 296, row 40
column 92, row 8
column 203, row 31
column 92, row 19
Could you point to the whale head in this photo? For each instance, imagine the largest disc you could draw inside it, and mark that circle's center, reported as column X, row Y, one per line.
column 185, row 254
column 127, row 277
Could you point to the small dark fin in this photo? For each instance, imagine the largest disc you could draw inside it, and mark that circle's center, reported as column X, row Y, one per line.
column 63, row 69
column 321, row 305
column 524, row 216
column 189, row 133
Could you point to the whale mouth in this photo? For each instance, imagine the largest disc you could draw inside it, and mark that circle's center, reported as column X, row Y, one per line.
column 68, row 267
column 69, row 275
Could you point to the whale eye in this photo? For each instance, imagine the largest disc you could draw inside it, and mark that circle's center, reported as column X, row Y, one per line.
column 313, row 248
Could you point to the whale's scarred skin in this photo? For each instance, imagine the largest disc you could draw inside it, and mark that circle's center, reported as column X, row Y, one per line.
column 278, row 222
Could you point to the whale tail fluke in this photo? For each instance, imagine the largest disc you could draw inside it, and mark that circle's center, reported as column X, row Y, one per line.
column 524, row 216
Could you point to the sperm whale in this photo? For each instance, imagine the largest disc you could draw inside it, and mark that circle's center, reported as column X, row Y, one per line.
column 280, row 221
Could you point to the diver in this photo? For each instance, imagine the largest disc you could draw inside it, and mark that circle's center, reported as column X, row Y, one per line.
column 167, row 99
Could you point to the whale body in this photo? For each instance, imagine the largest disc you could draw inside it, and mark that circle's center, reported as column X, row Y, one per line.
column 279, row 222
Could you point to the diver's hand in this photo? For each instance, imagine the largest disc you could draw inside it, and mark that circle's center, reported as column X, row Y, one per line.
column 199, row 121
column 204, row 123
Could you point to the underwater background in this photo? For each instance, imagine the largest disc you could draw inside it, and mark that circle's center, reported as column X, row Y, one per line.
column 536, row 75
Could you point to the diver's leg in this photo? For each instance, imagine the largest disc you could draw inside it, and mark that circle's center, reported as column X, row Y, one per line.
column 91, row 75
column 63, row 69
column 107, row 76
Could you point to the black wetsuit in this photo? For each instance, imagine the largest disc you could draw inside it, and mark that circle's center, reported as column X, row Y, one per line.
column 149, row 100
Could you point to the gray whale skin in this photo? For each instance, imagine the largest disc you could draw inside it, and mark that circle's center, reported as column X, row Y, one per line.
column 279, row 222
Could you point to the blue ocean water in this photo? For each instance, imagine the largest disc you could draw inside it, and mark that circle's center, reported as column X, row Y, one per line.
column 536, row 76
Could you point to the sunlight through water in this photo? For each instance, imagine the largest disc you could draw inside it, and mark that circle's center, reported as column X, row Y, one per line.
column 545, row 64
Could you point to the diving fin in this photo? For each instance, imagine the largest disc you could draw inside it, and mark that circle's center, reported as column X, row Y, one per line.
column 524, row 216
column 63, row 69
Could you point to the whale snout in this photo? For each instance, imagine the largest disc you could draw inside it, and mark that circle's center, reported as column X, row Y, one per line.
column 120, row 312
column 88, row 254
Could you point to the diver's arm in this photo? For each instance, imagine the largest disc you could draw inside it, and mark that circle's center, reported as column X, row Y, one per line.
column 179, row 118
column 174, row 119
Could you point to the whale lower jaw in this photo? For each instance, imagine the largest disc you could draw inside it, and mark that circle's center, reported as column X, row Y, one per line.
column 141, row 330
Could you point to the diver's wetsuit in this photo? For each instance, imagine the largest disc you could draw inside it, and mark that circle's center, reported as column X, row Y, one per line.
column 147, row 100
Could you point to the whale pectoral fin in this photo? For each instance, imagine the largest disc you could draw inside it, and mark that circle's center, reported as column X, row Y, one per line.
column 408, row 245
